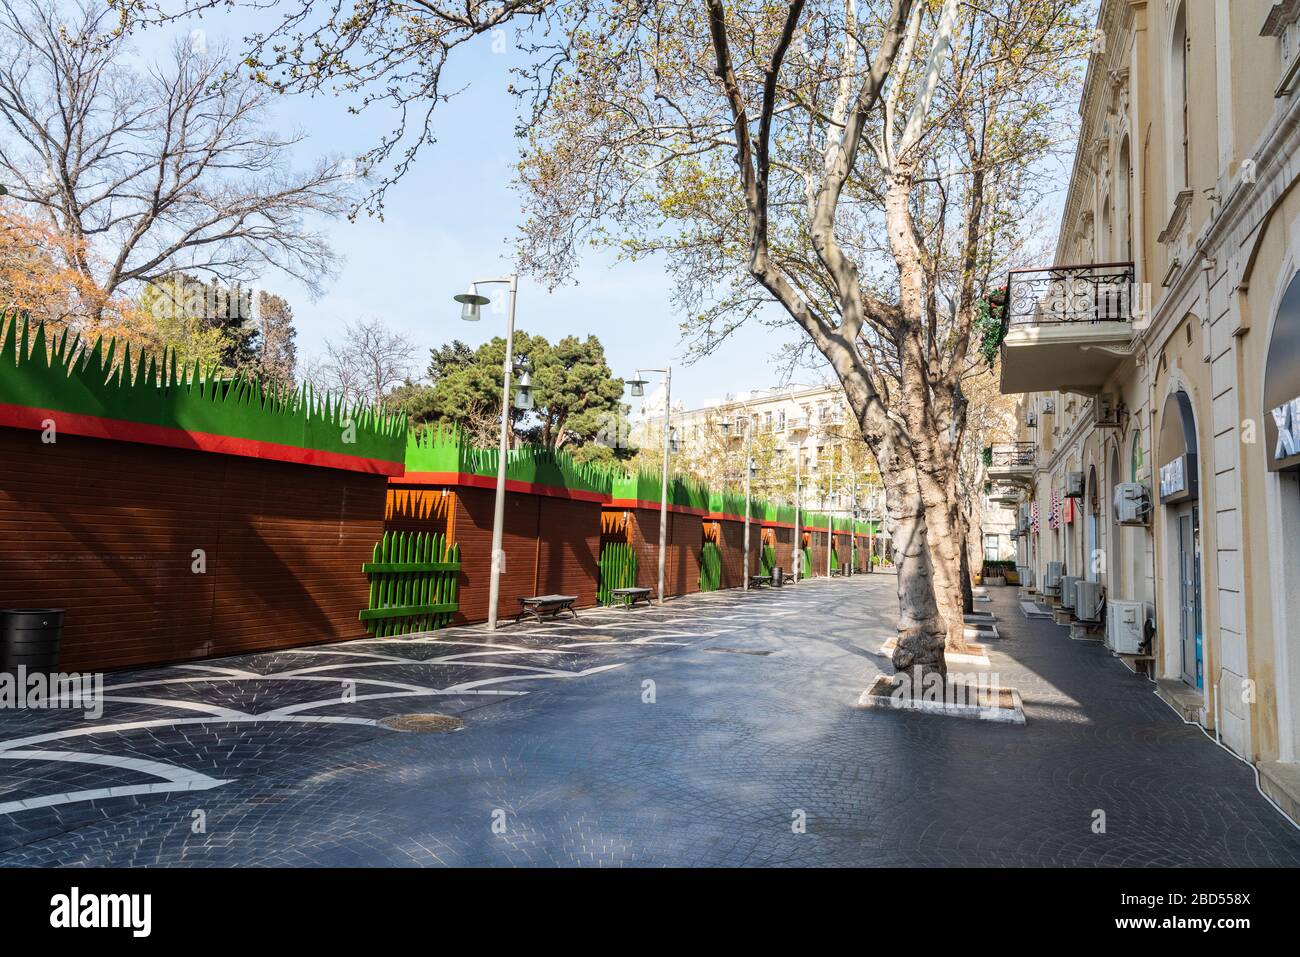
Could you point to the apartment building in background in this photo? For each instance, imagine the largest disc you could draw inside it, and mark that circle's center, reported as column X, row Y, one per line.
column 812, row 428
column 1158, row 367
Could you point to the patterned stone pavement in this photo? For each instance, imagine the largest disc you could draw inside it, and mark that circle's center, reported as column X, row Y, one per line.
column 692, row 734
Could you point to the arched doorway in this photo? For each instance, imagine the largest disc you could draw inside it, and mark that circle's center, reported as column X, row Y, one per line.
column 1092, row 556
column 1281, row 417
column 1180, row 498
column 1115, row 547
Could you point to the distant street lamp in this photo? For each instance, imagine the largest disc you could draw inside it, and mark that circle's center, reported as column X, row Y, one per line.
column 471, row 304
column 749, row 473
column 637, row 388
column 798, row 532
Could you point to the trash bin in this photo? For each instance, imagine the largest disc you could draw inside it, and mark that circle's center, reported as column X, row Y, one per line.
column 29, row 637
column 778, row 574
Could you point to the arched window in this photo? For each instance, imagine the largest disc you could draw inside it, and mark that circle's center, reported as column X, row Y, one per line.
column 1124, row 201
column 1180, row 55
column 1135, row 460
column 1104, row 243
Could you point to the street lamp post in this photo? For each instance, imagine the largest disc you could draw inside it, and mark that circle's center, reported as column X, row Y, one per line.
column 749, row 471
column 830, row 524
column 638, row 389
column 471, row 302
column 853, row 532
column 797, row 557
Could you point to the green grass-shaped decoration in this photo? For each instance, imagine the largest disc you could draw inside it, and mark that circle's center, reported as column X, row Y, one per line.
column 104, row 382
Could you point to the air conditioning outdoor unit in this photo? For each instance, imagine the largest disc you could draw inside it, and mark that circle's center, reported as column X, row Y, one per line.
column 1067, row 590
column 1026, row 575
column 1132, row 503
column 1074, row 485
column 1124, row 622
column 1087, row 601
column 1104, row 409
column 1052, row 577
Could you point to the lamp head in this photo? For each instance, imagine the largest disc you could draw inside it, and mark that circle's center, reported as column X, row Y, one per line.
column 637, row 385
column 470, row 302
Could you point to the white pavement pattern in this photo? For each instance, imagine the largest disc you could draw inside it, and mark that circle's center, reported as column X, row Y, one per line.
column 358, row 654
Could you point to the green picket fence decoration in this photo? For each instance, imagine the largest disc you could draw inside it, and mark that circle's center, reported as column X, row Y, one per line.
column 835, row 560
column 767, row 559
column 710, row 567
column 412, row 584
column 617, row 570
column 807, row 571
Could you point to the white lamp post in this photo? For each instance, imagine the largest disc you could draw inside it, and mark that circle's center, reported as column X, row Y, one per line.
column 749, row 473
column 471, row 303
column 637, row 387
column 797, row 557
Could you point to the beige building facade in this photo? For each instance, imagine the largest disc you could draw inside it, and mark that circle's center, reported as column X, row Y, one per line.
column 1158, row 364
column 809, row 429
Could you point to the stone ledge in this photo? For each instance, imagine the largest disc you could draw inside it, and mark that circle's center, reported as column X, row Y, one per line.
column 1186, row 701
column 1281, row 782
column 881, row 697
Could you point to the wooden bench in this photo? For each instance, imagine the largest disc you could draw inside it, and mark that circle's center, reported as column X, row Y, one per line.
column 757, row 581
column 631, row 596
column 552, row 605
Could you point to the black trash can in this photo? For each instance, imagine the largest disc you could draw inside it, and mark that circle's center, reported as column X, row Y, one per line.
column 778, row 576
column 29, row 637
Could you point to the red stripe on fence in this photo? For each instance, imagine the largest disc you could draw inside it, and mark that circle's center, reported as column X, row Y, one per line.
column 96, row 427
column 489, row 481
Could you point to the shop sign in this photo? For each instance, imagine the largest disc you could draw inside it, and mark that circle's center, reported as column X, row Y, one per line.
column 1173, row 478
column 1286, row 418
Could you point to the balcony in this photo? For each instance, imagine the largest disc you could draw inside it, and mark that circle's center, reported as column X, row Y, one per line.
column 1067, row 328
column 1004, row 493
column 797, row 424
column 1011, row 464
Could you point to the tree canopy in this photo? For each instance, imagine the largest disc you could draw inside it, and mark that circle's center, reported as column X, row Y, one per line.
column 576, row 399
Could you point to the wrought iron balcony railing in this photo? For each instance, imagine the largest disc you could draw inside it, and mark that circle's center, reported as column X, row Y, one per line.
column 1013, row 455
column 1101, row 292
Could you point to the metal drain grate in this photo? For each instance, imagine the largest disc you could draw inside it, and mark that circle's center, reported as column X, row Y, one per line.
column 424, row 723
column 741, row 651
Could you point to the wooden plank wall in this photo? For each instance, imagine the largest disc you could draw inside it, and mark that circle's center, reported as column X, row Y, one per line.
column 817, row 539
column 784, row 541
column 685, row 539
column 732, row 543
column 108, row 531
column 552, row 545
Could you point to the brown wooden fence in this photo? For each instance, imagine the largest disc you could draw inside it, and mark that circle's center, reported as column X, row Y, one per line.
column 162, row 554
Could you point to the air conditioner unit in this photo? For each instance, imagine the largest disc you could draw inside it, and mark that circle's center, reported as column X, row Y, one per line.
column 1132, row 504
column 1087, row 601
column 1124, row 622
column 1067, row 590
column 1074, row 485
column 1104, row 411
column 1026, row 575
column 1052, row 577
column 1049, row 406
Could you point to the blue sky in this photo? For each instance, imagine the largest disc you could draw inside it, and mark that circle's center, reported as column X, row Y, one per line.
column 451, row 219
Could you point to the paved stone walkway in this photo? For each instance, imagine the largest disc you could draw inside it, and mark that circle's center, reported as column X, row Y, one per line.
column 278, row 759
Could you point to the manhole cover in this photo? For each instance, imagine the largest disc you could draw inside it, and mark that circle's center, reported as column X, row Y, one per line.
column 426, row 723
